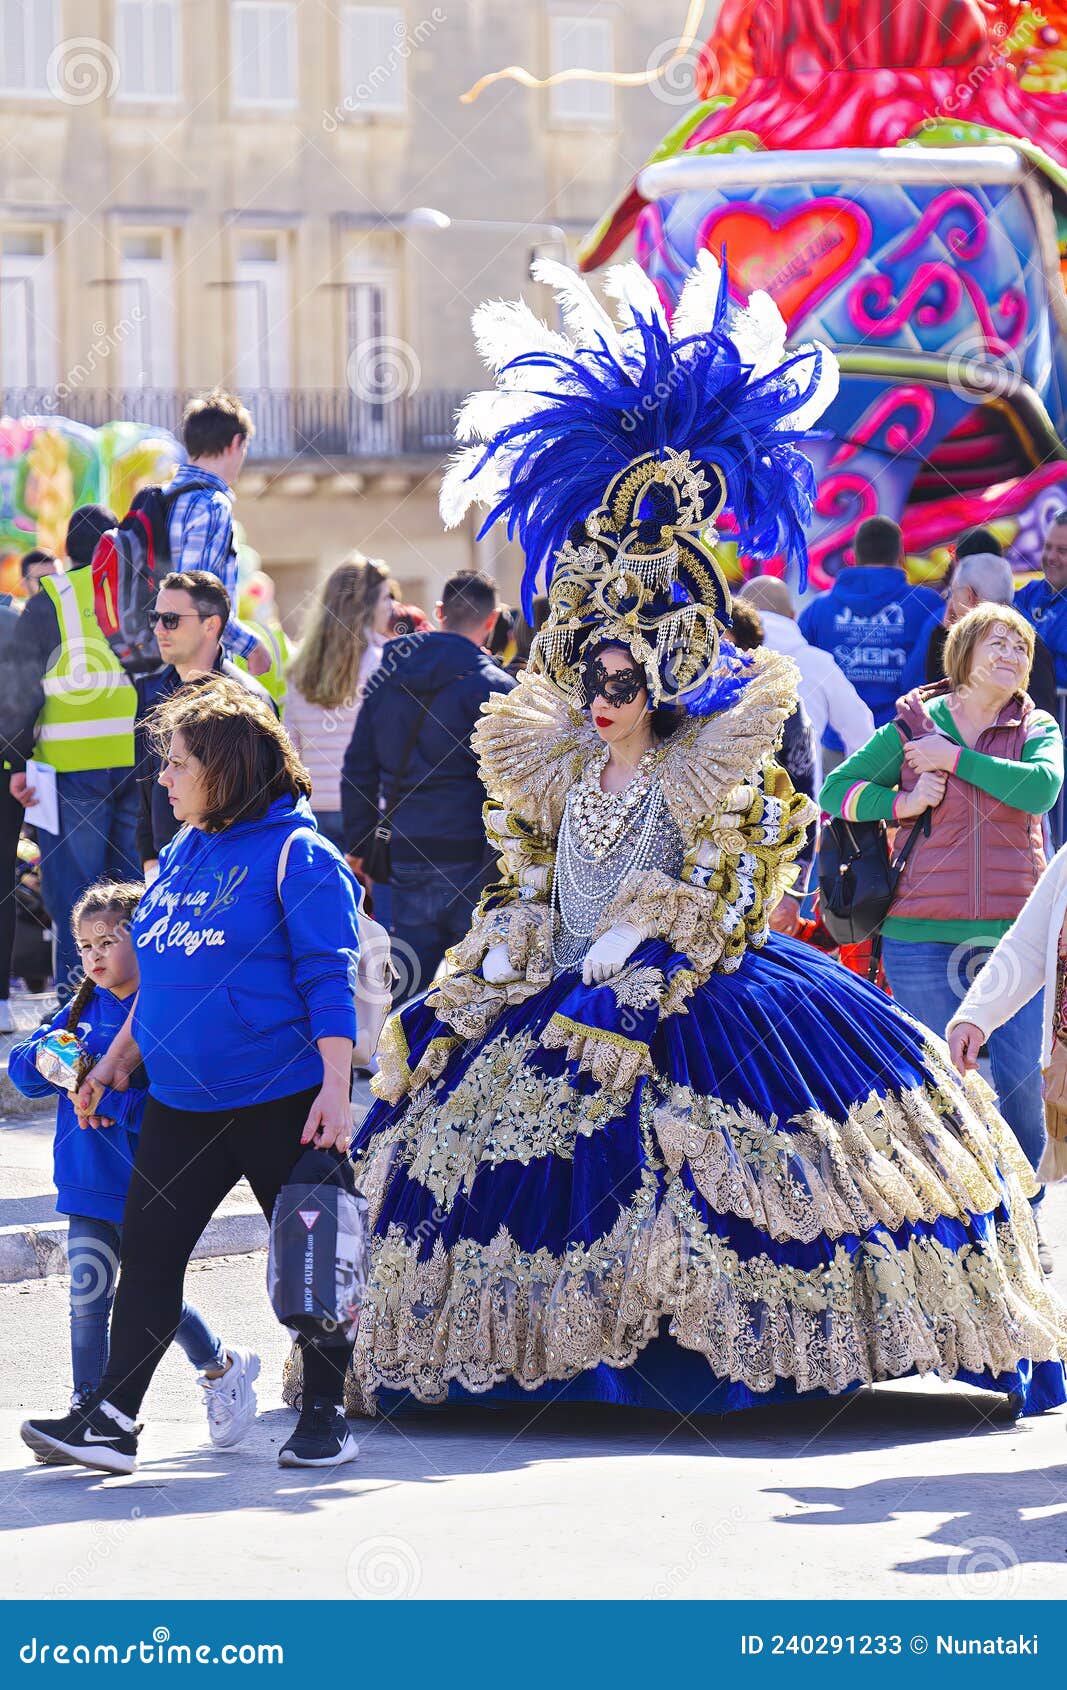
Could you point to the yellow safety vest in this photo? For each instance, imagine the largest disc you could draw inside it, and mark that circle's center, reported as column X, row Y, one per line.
column 89, row 701
column 273, row 680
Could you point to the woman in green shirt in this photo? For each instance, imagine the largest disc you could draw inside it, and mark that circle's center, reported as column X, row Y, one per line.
column 974, row 751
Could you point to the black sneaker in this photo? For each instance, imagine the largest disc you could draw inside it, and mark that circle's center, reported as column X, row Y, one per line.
column 97, row 1435
column 321, row 1438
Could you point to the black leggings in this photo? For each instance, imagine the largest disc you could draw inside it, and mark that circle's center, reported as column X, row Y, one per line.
column 186, row 1164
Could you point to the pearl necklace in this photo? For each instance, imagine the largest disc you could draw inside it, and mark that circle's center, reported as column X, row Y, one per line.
column 601, row 818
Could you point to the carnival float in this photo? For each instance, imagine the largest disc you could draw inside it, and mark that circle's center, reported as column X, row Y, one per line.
column 894, row 175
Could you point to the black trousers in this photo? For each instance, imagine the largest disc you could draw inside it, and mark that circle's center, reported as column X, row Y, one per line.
column 186, row 1164
column 11, row 814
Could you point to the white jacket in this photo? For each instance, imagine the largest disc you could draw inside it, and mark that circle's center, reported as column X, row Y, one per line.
column 826, row 692
column 321, row 736
column 1023, row 962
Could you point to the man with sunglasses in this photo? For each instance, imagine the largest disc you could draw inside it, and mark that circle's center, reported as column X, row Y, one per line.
column 191, row 612
column 1044, row 602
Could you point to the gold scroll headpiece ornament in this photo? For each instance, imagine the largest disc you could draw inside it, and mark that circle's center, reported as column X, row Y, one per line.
column 642, row 574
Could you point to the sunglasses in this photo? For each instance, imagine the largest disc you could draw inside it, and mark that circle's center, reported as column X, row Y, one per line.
column 622, row 687
column 170, row 618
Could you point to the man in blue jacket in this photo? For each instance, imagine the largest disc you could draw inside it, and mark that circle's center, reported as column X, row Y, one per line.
column 871, row 621
column 1044, row 602
column 411, row 750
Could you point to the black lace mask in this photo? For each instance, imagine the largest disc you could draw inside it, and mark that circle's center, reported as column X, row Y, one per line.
column 622, row 687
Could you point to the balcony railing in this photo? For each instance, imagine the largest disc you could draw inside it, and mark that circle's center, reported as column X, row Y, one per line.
column 291, row 423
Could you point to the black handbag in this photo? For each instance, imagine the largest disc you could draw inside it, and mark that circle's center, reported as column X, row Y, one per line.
column 858, row 878
column 377, row 854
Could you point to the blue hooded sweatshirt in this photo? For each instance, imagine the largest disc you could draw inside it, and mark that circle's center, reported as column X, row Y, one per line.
column 91, row 1165
column 873, row 623
column 236, row 986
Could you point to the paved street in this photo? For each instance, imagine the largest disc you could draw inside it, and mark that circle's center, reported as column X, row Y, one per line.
column 907, row 1491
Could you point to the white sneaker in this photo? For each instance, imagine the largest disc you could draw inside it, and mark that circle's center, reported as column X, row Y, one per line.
column 7, row 1020
column 230, row 1400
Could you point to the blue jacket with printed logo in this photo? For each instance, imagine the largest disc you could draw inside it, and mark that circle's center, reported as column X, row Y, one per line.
column 92, row 1165
column 872, row 623
column 237, row 985
column 1047, row 612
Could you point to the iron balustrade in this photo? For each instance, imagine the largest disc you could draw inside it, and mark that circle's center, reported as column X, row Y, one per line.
column 291, row 423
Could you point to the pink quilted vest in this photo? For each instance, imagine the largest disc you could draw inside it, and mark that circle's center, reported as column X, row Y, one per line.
column 983, row 858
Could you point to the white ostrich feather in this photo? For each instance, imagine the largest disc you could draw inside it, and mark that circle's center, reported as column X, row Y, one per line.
column 758, row 332
column 458, row 493
column 695, row 310
column 585, row 317
column 507, row 328
column 483, row 414
column 633, row 292
column 808, row 414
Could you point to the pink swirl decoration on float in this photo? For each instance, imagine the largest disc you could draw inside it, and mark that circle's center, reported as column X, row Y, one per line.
column 959, row 242
column 851, row 495
column 870, row 303
column 876, row 293
column 899, row 437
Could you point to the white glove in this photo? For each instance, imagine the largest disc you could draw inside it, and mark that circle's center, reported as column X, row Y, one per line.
column 496, row 966
column 610, row 953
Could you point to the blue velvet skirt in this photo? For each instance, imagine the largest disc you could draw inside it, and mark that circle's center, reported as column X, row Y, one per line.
column 770, row 1189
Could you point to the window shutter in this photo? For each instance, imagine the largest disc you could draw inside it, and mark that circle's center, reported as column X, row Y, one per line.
column 264, row 52
column 374, row 58
column 582, row 44
column 29, row 34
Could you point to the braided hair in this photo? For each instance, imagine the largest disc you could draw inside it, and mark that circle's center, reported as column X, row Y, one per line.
column 107, row 897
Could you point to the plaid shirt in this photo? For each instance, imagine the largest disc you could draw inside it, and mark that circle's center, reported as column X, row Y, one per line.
column 201, row 537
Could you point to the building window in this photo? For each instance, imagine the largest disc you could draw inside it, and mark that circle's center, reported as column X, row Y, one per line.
column 145, row 331
column 29, row 36
column 28, row 347
column 149, row 47
column 263, row 53
column 375, row 50
column 577, row 43
column 262, row 309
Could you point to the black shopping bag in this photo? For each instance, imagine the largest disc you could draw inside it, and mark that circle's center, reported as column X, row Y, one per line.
column 318, row 1258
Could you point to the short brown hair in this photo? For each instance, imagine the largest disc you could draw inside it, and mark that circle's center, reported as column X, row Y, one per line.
column 210, row 422
column 879, row 540
column 468, row 597
column 964, row 635
column 206, row 591
column 247, row 756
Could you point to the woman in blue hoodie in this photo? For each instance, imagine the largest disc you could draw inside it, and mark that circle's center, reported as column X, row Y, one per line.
column 245, row 1022
column 93, row 1168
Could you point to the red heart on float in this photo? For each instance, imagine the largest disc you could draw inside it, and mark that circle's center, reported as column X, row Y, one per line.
column 798, row 257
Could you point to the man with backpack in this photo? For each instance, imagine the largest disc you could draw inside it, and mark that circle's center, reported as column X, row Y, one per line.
column 216, row 429
column 84, row 729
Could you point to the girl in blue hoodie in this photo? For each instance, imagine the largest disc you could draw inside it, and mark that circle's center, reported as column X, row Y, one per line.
column 92, row 1166
column 247, row 945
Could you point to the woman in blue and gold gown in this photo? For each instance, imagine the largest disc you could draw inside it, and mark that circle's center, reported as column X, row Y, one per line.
column 632, row 1146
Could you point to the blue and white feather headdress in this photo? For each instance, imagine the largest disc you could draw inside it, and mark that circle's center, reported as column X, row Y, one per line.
column 610, row 449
